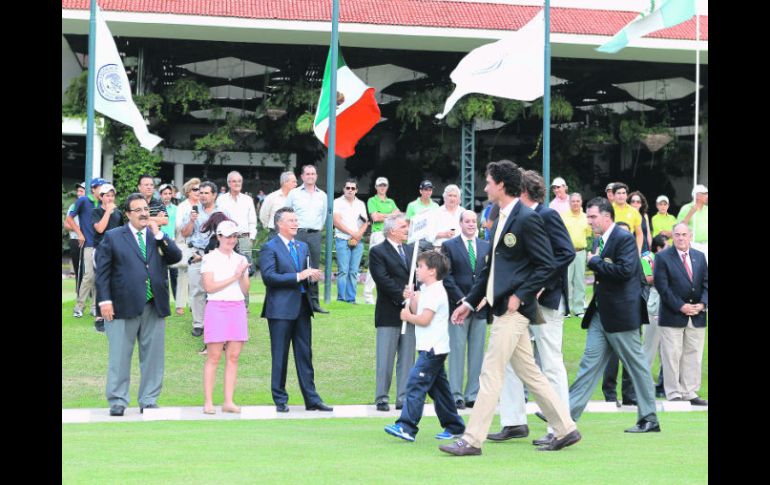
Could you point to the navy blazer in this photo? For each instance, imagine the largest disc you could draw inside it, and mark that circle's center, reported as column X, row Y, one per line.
column 563, row 254
column 459, row 281
column 522, row 264
column 283, row 298
column 676, row 289
column 121, row 272
column 391, row 275
column 617, row 285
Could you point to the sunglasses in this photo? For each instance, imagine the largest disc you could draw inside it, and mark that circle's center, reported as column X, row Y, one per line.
column 351, row 188
column 636, row 201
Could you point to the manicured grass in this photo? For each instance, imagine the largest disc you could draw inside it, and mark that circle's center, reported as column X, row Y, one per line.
column 357, row 451
column 343, row 356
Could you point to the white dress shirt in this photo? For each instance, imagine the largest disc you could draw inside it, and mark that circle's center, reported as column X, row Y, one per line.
column 241, row 210
column 273, row 202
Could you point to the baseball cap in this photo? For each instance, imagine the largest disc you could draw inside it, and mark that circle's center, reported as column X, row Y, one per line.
column 104, row 188
column 558, row 182
column 80, row 184
column 700, row 189
column 164, row 187
column 662, row 198
column 610, row 186
column 381, row 181
column 97, row 181
column 426, row 184
column 227, row 228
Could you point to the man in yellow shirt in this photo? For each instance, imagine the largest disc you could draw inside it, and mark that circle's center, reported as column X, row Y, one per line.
column 626, row 213
column 579, row 232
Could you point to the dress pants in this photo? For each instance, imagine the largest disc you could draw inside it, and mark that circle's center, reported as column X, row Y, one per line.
column 598, row 345
column 509, row 342
column 197, row 294
column 428, row 377
column 610, row 381
column 313, row 240
column 576, row 282
column 75, row 256
column 183, row 288
column 471, row 335
column 681, row 355
column 548, row 341
column 369, row 285
column 389, row 342
column 299, row 334
column 87, row 288
column 150, row 330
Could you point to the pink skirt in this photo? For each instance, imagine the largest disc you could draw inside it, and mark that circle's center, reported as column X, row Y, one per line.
column 225, row 321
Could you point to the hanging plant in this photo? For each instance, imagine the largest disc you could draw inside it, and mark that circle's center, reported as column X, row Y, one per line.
column 75, row 97
column 417, row 107
column 509, row 109
column 561, row 109
column 304, row 123
column 186, row 91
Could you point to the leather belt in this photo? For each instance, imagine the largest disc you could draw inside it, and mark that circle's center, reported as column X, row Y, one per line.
column 308, row 230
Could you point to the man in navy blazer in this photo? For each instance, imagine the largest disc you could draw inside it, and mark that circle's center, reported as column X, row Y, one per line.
column 682, row 280
column 548, row 336
column 132, row 291
column 613, row 317
column 288, row 309
column 466, row 254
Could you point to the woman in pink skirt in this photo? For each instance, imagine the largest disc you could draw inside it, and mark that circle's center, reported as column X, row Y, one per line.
column 225, row 277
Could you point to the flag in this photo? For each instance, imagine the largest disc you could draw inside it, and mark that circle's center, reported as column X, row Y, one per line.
column 510, row 68
column 670, row 13
column 357, row 110
column 112, row 93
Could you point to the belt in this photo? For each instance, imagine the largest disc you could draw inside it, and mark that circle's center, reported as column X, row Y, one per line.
column 580, row 249
column 309, row 230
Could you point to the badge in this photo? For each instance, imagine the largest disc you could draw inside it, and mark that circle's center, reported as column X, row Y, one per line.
column 509, row 240
column 607, row 260
column 486, row 258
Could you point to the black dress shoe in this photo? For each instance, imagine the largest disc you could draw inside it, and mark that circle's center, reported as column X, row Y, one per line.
column 544, row 440
column 629, row 402
column 460, row 404
column 460, row 448
column 117, row 410
column 509, row 432
column 645, row 427
column 699, row 402
column 319, row 407
column 674, row 399
column 469, row 404
column 282, row 408
column 197, row 332
column 399, row 406
column 318, row 309
column 558, row 443
column 149, row 406
column 383, row 406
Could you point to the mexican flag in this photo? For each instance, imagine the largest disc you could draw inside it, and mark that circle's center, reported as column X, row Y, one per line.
column 357, row 110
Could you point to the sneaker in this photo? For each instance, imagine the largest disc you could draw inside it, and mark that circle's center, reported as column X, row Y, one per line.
column 197, row 332
column 397, row 431
column 77, row 313
column 446, row 435
column 204, row 350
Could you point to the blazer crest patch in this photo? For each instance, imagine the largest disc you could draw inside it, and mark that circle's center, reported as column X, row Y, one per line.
column 509, row 240
column 607, row 260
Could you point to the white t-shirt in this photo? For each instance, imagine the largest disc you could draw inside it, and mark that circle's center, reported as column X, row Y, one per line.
column 436, row 335
column 223, row 267
column 446, row 220
column 350, row 213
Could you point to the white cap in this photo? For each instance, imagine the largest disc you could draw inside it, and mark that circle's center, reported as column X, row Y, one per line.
column 558, row 182
column 227, row 228
column 380, row 181
column 662, row 198
column 103, row 189
column 700, row 189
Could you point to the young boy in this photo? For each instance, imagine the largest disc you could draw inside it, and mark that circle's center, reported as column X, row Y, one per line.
column 429, row 313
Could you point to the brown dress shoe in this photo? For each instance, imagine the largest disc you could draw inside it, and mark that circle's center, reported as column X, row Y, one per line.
column 460, row 448
column 509, row 432
column 544, row 440
column 568, row 439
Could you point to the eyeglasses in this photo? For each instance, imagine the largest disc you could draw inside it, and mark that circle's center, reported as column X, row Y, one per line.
column 351, row 188
column 139, row 209
column 636, row 201
column 195, row 189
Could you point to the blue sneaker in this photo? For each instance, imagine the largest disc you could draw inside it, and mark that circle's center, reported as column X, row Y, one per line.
column 446, row 435
column 396, row 430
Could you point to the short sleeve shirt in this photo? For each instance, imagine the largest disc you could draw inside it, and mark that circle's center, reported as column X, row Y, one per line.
column 375, row 204
column 436, row 335
column 662, row 223
column 416, row 206
column 116, row 220
column 699, row 222
column 223, row 267
column 170, row 228
column 351, row 214
column 84, row 208
column 629, row 215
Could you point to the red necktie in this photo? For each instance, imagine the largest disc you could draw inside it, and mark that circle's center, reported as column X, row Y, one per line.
column 686, row 266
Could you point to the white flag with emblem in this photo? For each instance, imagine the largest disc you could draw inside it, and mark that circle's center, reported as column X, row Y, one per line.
column 510, row 68
column 112, row 91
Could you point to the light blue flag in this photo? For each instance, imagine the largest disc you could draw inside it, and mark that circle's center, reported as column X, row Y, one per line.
column 670, row 13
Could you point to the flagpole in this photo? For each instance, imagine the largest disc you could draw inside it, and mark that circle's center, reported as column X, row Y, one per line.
column 330, row 154
column 90, row 93
column 547, row 101
column 697, row 94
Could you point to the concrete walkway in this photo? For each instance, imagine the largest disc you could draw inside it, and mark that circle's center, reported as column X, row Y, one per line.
column 195, row 413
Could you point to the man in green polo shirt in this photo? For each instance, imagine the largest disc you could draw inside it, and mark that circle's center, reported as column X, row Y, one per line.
column 379, row 207
column 696, row 215
column 422, row 203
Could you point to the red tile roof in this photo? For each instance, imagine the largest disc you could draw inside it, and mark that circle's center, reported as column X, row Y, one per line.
column 413, row 13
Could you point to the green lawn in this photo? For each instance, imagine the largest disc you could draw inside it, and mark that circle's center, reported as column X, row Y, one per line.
column 357, row 451
column 343, row 356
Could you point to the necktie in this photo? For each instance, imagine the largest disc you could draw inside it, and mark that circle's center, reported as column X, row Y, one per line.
column 295, row 257
column 491, row 281
column 601, row 245
column 403, row 256
column 687, row 266
column 471, row 255
column 143, row 249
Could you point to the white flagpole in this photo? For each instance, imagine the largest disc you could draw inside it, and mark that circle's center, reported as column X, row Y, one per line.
column 697, row 93
column 411, row 277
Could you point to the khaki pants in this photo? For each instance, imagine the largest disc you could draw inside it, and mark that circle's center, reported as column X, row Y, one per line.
column 87, row 287
column 681, row 352
column 197, row 294
column 509, row 342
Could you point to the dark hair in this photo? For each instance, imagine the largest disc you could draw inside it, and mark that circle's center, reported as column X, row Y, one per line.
column 210, row 185
column 658, row 243
column 618, row 186
column 279, row 213
column 131, row 198
column 643, row 209
column 508, row 173
column 213, row 221
column 306, row 166
column 145, row 176
column 624, row 224
column 437, row 261
column 534, row 185
column 603, row 205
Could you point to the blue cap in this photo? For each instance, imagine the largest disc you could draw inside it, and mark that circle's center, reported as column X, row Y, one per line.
column 97, row 181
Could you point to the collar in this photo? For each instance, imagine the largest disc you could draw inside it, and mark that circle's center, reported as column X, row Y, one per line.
column 285, row 241
column 507, row 209
column 680, row 253
column 466, row 239
column 534, row 206
column 607, row 233
column 134, row 230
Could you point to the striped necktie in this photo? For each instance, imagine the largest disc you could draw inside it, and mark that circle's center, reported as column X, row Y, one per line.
column 143, row 248
column 471, row 255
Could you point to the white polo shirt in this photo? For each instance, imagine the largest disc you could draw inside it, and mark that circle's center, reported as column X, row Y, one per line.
column 436, row 335
column 223, row 267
